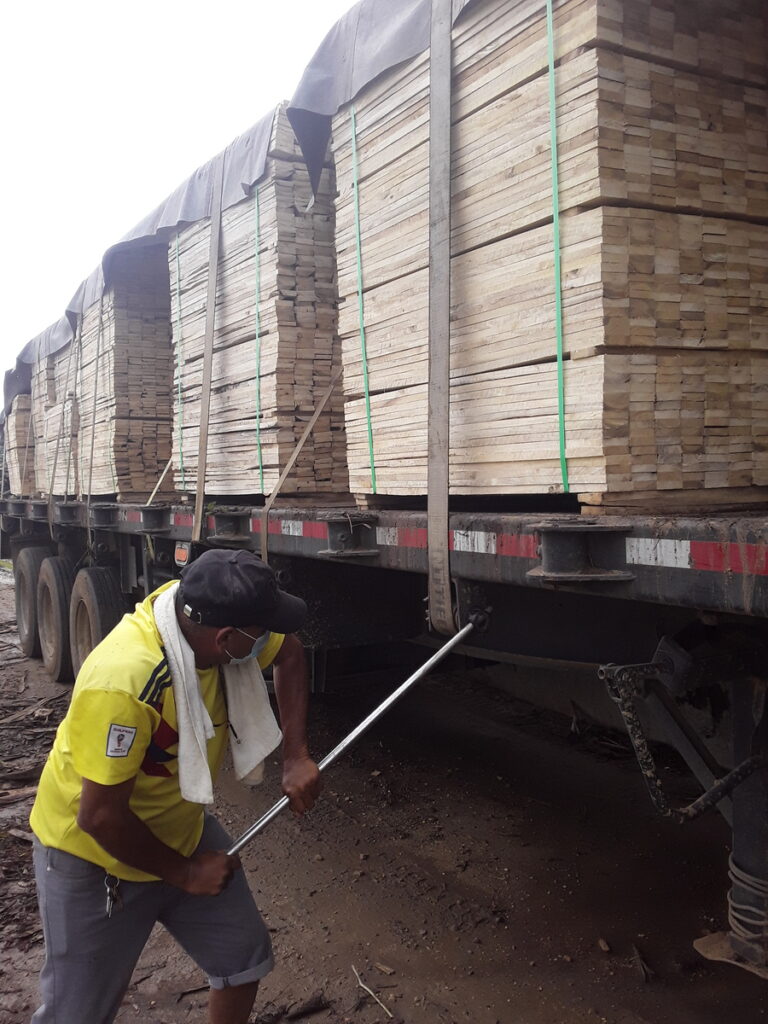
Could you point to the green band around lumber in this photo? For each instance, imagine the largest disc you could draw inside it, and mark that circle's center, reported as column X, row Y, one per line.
column 556, row 241
column 257, row 301
column 179, row 400
column 360, row 301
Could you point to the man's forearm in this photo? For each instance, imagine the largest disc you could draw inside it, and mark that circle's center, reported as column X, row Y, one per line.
column 292, row 692
column 132, row 842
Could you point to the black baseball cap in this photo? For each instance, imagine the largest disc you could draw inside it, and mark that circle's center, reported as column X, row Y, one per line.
column 236, row 588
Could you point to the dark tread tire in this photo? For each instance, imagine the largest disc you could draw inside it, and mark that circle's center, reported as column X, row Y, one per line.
column 26, row 571
column 96, row 606
column 54, row 591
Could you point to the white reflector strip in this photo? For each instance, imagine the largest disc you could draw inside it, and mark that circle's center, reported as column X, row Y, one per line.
column 474, row 540
column 672, row 554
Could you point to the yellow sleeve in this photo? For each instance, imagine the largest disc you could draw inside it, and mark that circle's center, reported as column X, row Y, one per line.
column 109, row 732
column 271, row 650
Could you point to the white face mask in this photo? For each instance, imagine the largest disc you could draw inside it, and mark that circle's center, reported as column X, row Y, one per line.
column 259, row 643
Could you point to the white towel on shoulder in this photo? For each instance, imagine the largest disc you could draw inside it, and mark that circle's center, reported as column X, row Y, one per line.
column 256, row 732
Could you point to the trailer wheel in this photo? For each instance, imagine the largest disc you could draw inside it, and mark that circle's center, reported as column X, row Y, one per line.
column 54, row 589
column 96, row 607
column 26, row 570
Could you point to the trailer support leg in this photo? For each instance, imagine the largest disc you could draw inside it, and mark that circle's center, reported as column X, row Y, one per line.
column 746, row 943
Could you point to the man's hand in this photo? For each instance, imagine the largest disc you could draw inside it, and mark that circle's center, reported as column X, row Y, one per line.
column 209, row 872
column 301, row 783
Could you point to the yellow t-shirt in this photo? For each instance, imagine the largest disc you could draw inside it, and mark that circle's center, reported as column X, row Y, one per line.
column 122, row 723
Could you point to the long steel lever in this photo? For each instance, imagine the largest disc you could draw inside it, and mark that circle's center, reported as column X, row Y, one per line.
column 357, row 732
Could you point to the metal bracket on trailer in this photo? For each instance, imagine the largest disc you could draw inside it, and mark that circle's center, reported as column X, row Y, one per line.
column 231, row 529
column 577, row 550
column 349, row 536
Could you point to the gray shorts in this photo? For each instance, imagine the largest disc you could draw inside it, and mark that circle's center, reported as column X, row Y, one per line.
column 89, row 957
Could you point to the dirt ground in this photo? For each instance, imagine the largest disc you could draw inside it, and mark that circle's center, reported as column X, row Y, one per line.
column 471, row 859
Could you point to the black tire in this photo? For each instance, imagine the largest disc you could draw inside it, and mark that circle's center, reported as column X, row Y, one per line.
column 26, row 570
column 95, row 608
column 54, row 590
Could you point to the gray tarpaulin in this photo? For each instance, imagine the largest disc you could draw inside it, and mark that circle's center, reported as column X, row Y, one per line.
column 371, row 38
column 244, row 163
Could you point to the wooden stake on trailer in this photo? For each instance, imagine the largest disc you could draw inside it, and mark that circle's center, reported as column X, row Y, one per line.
column 210, row 323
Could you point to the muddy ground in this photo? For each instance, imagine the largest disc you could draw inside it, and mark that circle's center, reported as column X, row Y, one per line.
column 472, row 859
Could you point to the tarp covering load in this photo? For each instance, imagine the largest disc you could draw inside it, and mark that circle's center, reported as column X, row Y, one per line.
column 275, row 346
column 661, row 116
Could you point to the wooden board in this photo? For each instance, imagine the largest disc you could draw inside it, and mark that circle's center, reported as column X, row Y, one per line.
column 645, row 421
column 124, row 378
column 55, row 423
column 20, row 448
column 631, row 279
column 629, row 132
column 662, row 126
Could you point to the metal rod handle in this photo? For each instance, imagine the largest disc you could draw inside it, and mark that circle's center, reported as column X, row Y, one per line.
column 357, row 732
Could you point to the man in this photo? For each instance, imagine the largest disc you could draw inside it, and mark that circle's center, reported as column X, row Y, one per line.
column 118, row 847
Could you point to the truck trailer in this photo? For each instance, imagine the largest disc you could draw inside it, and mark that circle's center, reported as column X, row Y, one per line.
column 665, row 595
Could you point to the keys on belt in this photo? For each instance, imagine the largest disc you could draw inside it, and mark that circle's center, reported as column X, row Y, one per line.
column 114, row 899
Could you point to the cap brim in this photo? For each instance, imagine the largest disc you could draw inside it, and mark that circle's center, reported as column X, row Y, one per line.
column 289, row 614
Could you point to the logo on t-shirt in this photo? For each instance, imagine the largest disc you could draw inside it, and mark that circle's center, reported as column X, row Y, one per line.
column 120, row 740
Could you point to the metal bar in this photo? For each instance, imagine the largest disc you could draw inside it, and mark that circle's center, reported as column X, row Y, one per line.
column 210, row 323
column 159, row 483
column 439, row 348
column 356, row 733
column 685, row 740
column 622, row 691
column 290, row 464
column 721, row 789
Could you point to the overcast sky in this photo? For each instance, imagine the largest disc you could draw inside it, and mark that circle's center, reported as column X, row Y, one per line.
column 107, row 106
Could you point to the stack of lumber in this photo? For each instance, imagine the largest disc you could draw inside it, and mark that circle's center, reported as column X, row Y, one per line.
column 263, row 394
column 662, row 122
column 124, row 379
column 20, row 447
column 55, row 422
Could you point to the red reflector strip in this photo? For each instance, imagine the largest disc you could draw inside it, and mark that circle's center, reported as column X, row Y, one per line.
column 133, row 515
column 182, row 519
column 319, row 531
column 408, row 537
column 517, row 545
column 739, row 558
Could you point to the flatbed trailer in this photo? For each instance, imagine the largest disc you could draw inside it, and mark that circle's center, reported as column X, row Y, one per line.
column 673, row 609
